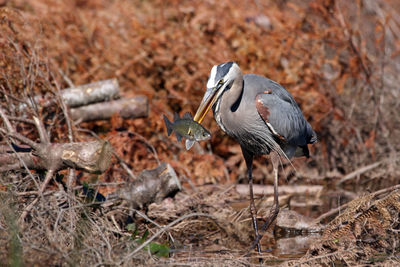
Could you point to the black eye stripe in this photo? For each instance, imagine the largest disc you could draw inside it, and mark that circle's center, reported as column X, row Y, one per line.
column 222, row 70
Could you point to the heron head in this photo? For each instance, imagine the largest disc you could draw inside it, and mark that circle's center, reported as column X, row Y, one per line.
column 220, row 79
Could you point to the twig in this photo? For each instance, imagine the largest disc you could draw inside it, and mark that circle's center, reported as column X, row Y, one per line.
column 385, row 190
column 66, row 78
column 141, row 214
column 6, row 121
column 47, row 178
column 30, row 193
column 12, row 118
column 125, row 166
column 27, row 210
column 130, row 255
column 148, row 144
column 64, row 110
column 3, row 91
column 115, row 225
column 44, row 137
column 22, row 162
column 23, row 139
column 359, row 171
column 331, row 212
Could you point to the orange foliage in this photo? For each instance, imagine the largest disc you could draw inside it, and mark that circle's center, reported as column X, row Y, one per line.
column 165, row 50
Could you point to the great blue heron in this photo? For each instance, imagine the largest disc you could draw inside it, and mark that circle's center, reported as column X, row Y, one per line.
column 263, row 117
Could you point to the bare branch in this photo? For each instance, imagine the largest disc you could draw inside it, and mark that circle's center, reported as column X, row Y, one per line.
column 44, row 137
column 49, row 175
column 20, row 119
column 27, row 210
column 23, row 163
column 65, row 111
column 359, row 172
column 66, row 78
column 6, row 121
column 22, row 138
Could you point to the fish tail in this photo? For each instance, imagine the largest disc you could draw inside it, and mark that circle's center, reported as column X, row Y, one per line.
column 168, row 124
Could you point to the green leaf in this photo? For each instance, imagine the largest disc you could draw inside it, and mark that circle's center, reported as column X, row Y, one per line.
column 143, row 238
column 160, row 250
column 133, row 229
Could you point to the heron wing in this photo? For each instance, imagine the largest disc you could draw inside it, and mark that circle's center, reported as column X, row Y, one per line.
column 283, row 117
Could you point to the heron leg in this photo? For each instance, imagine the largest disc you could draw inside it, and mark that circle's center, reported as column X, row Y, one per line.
column 248, row 157
column 273, row 213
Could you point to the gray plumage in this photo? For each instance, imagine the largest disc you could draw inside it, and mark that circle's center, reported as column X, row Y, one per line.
column 245, row 124
column 236, row 113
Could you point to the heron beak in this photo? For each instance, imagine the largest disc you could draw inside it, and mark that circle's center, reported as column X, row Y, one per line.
column 205, row 105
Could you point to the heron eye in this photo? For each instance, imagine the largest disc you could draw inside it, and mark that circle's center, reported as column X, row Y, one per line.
column 221, row 81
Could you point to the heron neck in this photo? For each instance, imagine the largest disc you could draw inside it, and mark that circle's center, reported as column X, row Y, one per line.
column 225, row 112
column 231, row 99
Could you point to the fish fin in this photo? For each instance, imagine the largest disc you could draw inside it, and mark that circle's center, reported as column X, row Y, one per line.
column 178, row 136
column 176, row 117
column 189, row 143
column 168, row 124
column 187, row 115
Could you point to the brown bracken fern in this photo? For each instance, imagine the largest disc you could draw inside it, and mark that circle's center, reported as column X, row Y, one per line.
column 366, row 232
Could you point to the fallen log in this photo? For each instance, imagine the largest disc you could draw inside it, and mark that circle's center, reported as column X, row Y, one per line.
column 127, row 108
column 151, row 186
column 82, row 95
column 92, row 157
column 295, row 245
column 290, row 220
column 314, row 190
column 91, row 93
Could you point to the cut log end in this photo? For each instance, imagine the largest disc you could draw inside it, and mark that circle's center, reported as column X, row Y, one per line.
column 92, row 157
column 151, row 186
